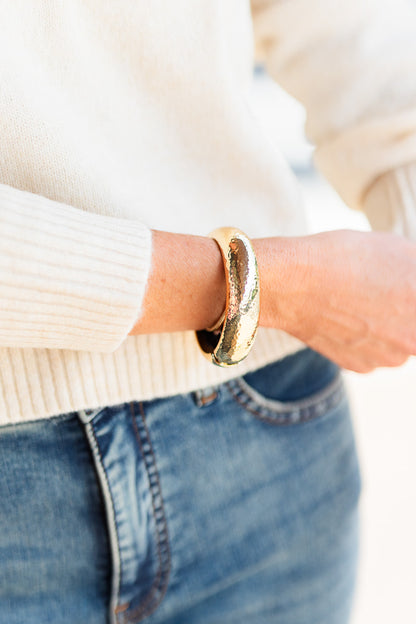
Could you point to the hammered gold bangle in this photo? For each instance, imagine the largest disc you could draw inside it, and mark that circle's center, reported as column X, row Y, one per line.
column 231, row 338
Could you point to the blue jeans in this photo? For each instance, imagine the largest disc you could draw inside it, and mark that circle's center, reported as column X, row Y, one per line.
column 232, row 505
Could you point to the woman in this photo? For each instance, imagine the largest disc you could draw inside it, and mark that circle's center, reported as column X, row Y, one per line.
column 138, row 480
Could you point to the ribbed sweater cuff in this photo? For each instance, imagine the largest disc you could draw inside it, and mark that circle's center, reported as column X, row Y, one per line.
column 390, row 203
column 69, row 279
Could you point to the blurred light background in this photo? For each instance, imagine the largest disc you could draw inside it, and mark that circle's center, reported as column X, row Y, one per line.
column 383, row 402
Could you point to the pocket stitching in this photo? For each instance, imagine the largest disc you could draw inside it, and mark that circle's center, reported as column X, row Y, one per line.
column 295, row 412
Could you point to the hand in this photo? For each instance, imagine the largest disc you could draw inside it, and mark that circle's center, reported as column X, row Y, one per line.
column 349, row 295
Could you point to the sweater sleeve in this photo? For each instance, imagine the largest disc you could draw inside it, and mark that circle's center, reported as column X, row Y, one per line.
column 352, row 64
column 69, row 279
column 390, row 203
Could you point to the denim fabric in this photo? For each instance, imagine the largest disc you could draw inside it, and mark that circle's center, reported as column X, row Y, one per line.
column 235, row 504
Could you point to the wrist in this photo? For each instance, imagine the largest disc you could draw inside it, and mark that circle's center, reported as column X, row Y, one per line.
column 285, row 271
column 186, row 288
column 229, row 343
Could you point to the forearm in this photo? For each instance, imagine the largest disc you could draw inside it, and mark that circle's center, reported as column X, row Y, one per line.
column 349, row 295
column 186, row 287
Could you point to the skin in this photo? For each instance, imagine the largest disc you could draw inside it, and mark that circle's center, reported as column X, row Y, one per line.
column 349, row 295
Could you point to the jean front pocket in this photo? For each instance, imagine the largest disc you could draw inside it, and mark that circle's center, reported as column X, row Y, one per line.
column 296, row 389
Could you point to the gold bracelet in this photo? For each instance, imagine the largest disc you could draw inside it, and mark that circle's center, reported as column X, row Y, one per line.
column 229, row 341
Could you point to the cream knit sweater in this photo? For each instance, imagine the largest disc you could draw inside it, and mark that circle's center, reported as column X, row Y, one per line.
column 118, row 117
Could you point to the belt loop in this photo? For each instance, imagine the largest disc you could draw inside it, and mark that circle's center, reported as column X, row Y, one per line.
column 205, row 396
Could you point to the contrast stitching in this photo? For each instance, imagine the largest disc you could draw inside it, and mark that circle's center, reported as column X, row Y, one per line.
column 291, row 417
column 88, row 415
column 159, row 586
column 111, row 522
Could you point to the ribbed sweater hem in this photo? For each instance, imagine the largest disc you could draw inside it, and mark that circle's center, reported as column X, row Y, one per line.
column 37, row 383
column 41, row 383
